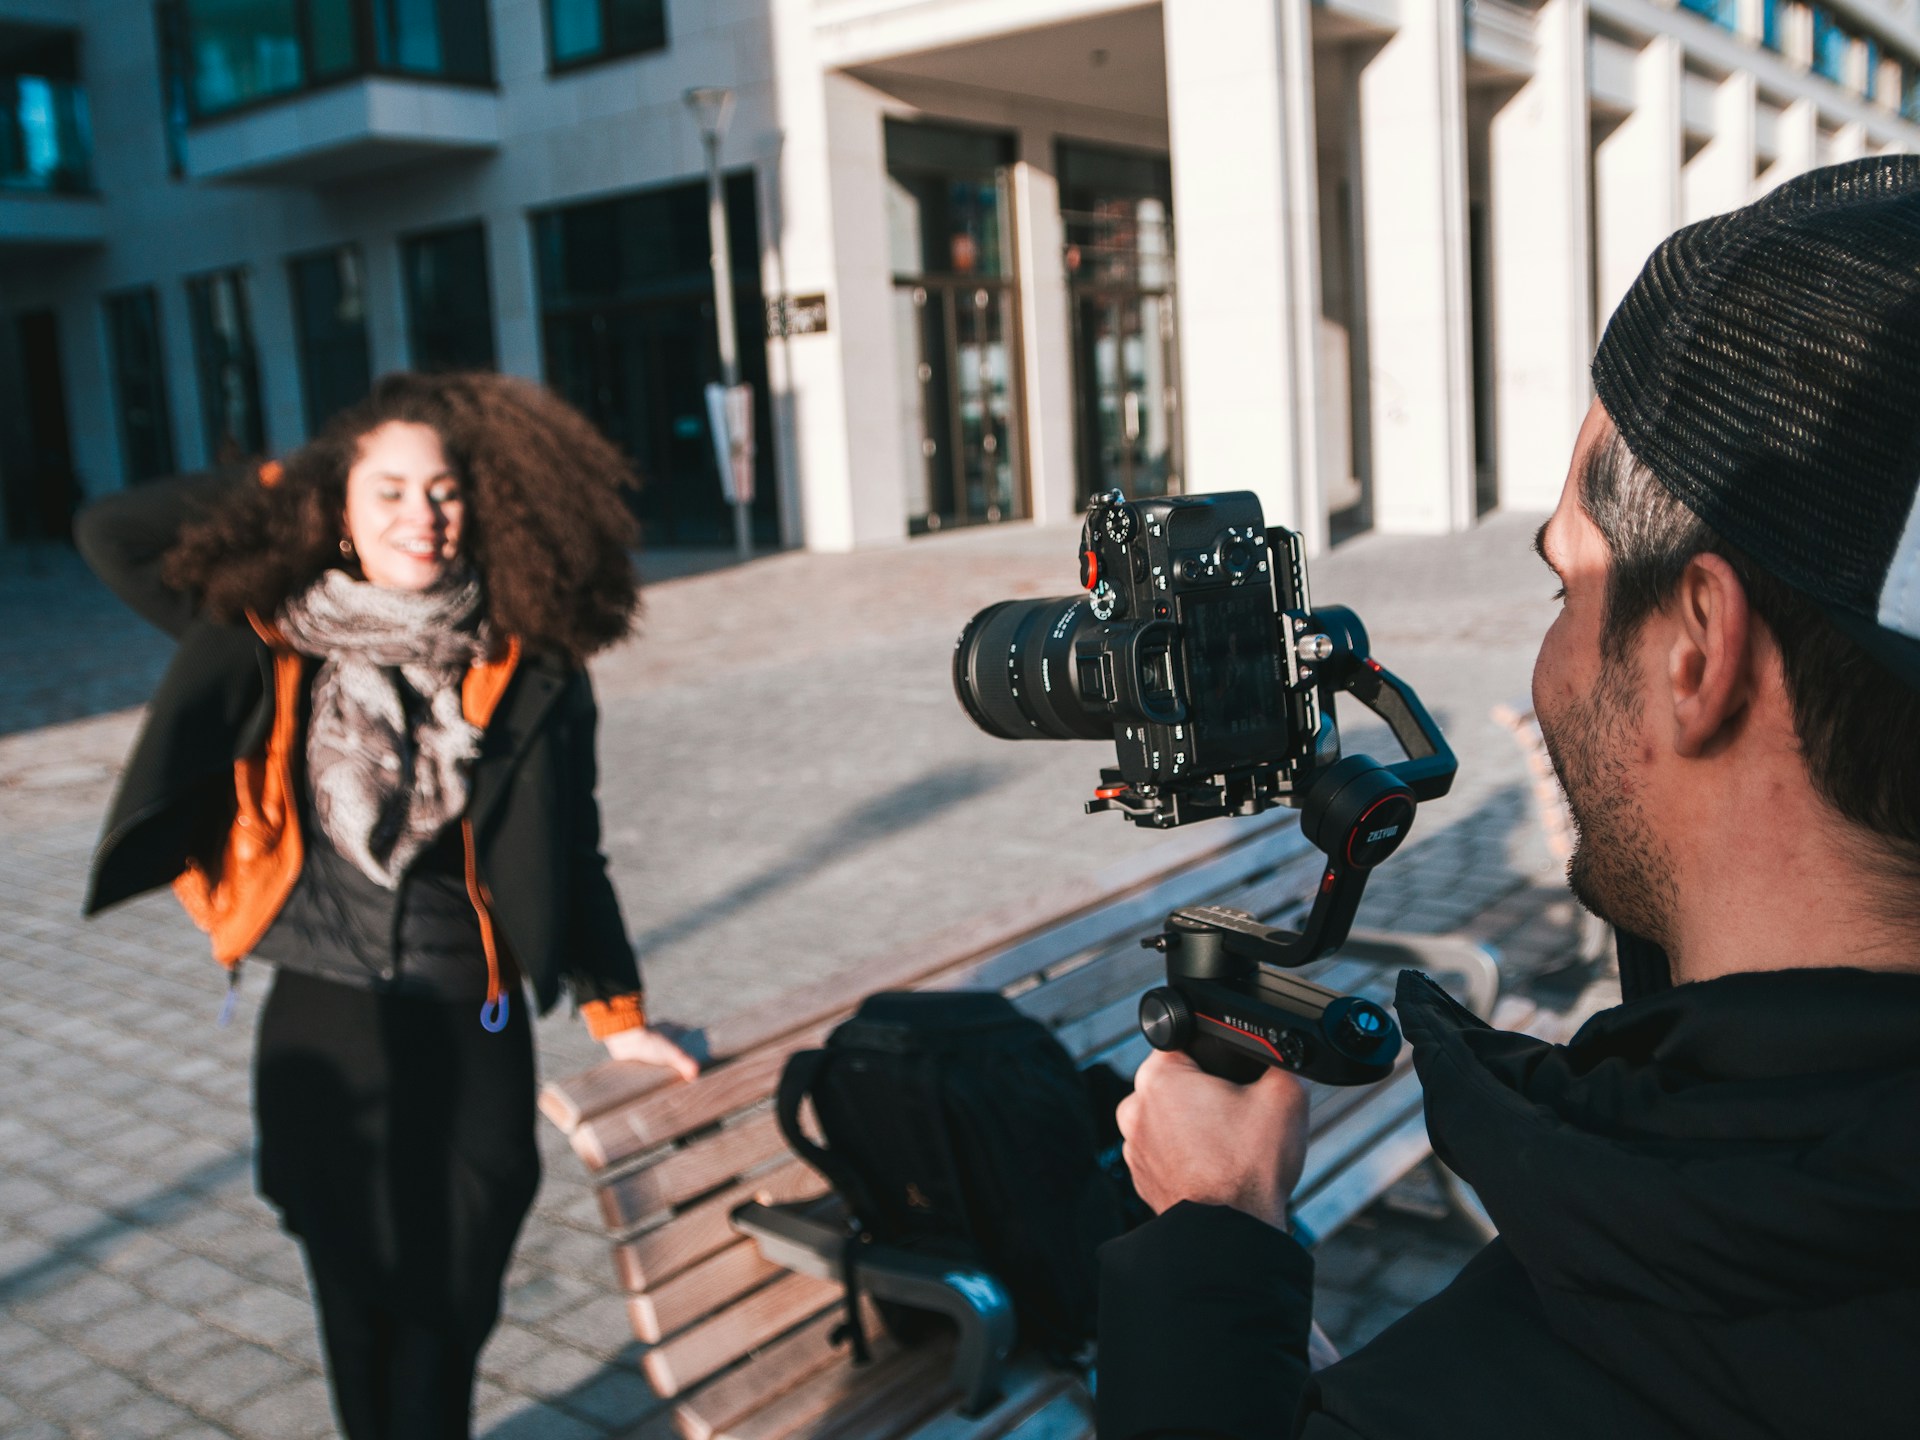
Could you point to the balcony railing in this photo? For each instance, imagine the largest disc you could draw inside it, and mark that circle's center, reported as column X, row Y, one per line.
column 46, row 144
column 237, row 54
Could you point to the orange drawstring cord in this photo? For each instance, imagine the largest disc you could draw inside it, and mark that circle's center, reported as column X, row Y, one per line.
column 493, row 1015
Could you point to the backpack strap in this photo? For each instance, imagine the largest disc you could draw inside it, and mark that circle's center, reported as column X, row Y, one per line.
column 796, row 1082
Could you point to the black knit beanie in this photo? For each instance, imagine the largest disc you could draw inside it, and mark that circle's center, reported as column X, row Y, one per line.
column 1766, row 368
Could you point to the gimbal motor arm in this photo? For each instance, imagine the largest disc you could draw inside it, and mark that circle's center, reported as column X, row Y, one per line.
column 1226, row 1001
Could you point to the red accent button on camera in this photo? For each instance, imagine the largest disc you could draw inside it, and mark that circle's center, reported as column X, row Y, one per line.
column 1089, row 569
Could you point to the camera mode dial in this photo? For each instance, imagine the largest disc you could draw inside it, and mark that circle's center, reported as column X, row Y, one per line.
column 1121, row 523
column 1106, row 601
column 1237, row 553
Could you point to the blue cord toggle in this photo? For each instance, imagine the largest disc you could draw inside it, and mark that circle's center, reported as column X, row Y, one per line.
column 493, row 1015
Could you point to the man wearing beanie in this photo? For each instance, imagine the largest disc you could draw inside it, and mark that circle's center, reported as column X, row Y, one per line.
column 1709, row 1201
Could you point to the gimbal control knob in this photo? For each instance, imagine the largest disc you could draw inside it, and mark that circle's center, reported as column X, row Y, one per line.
column 1364, row 1027
column 1166, row 1019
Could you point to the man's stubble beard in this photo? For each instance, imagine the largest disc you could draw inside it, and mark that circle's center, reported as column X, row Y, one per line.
column 1619, row 869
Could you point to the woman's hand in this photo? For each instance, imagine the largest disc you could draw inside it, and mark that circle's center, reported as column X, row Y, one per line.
column 649, row 1047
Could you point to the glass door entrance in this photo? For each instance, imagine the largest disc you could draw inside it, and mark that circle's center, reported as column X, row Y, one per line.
column 956, row 310
column 1117, row 211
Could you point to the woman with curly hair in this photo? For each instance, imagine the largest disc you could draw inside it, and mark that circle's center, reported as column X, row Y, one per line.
column 371, row 763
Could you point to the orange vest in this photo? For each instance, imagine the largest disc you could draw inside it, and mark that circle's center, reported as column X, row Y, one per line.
column 237, row 899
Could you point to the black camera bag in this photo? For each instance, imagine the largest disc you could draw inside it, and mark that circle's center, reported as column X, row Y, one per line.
column 957, row 1127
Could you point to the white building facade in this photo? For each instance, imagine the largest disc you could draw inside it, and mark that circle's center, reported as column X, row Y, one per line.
column 990, row 255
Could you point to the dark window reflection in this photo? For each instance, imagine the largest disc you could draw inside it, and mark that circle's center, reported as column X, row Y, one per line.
column 449, row 305
column 229, row 368
column 139, row 382
column 626, row 300
column 330, row 313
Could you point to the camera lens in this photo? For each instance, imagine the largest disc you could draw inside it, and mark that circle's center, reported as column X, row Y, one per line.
column 1013, row 671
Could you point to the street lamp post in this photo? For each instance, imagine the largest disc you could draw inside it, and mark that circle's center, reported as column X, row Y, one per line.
column 712, row 108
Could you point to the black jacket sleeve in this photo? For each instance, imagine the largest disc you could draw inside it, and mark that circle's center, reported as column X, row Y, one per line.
column 124, row 537
column 1204, row 1315
column 600, row 960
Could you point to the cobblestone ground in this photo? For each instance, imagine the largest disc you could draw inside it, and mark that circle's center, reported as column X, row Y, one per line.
column 787, row 786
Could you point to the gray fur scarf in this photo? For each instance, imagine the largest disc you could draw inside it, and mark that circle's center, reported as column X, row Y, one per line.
column 387, row 775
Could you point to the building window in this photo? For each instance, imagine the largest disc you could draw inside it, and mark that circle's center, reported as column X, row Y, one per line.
column 46, row 142
column 330, row 313
column 229, row 367
column 139, row 384
column 581, row 31
column 627, row 326
column 1830, row 46
column 1724, row 13
column 1773, row 26
column 1872, row 86
column 956, row 309
column 176, row 109
column 1910, row 92
column 449, row 312
column 244, row 52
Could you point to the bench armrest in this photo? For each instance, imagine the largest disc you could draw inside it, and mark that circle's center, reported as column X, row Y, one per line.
column 810, row 1239
column 1473, row 963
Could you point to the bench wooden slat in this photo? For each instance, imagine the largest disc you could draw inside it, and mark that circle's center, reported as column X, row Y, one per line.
column 1335, row 1140
column 1386, row 1158
column 1029, row 1386
column 697, row 1352
column 874, row 1402
column 656, row 1255
column 570, row 1102
column 773, row 1370
column 738, row 1149
column 671, row 1112
column 716, row 1281
column 1135, row 914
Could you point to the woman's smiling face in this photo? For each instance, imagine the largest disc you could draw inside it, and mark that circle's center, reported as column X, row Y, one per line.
column 405, row 507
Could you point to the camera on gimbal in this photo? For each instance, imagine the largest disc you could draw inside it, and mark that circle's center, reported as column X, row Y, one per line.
column 1196, row 649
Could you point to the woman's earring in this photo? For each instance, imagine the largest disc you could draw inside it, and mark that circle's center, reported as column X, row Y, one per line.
column 346, row 547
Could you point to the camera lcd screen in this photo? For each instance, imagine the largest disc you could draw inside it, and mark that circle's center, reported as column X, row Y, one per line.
column 1233, row 694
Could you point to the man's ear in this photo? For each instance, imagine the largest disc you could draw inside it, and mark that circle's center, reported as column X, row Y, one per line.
column 1710, row 664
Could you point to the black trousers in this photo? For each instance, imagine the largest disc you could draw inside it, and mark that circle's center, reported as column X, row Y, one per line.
column 396, row 1138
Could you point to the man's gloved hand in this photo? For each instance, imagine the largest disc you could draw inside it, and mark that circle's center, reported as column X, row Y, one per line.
column 1191, row 1136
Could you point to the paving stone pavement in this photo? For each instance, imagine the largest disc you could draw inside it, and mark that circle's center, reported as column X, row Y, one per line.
column 788, row 788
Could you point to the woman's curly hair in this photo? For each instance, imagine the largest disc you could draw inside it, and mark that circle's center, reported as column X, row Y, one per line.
column 546, row 528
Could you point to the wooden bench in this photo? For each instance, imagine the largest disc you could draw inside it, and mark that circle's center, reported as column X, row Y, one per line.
column 740, row 1344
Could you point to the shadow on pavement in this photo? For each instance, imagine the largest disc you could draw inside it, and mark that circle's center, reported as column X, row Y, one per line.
column 886, row 815
column 75, row 1255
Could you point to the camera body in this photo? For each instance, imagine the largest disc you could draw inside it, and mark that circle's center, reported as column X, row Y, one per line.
column 1183, row 650
column 1186, row 657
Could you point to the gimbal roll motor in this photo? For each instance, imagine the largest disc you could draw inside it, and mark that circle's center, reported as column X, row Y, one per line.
column 1197, row 649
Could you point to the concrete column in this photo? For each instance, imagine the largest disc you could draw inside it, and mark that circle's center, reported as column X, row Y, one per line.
column 93, row 418
column 1239, row 94
column 388, row 346
column 1720, row 177
column 1799, row 144
column 1414, row 188
column 1046, row 330
column 181, row 376
column 516, row 296
column 1636, row 177
column 276, row 339
column 836, row 392
column 1542, row 266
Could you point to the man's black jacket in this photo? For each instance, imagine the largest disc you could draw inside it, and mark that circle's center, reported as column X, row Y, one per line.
column 1709, row 1212
column 536, row 820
